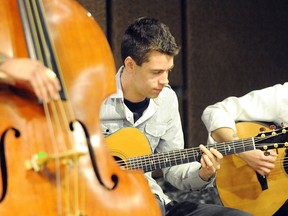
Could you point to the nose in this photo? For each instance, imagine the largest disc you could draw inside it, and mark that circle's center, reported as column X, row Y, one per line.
column 164, row 78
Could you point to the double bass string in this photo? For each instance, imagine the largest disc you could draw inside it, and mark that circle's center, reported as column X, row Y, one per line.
column 65, row 114
column 32, row 42
column 56, row 114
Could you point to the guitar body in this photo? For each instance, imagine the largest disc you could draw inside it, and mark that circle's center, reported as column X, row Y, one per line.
column 238, row 185
column 128, row 143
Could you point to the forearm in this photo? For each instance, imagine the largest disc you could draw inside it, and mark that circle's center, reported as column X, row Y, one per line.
column 224, row 134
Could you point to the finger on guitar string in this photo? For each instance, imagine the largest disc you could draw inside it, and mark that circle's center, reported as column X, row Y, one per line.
column 211, row 157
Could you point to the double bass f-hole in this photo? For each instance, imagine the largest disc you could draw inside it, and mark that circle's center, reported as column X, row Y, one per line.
column 114, row 178
column 4, row 176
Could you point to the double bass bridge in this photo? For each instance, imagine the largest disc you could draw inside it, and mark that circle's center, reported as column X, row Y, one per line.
column 39, row 160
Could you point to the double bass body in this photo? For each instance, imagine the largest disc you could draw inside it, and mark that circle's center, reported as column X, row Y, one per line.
column 63, row 181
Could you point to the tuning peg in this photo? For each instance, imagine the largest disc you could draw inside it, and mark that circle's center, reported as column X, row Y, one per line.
column 283, row 128
column 273, row 127
column 276, row 146
column 262, row 131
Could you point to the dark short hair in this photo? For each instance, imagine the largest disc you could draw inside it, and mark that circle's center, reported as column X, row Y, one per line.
column 146, row 35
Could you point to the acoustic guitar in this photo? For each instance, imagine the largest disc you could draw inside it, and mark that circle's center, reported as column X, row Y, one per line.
column 237, row 183
column 240, row 187
column 131, row 149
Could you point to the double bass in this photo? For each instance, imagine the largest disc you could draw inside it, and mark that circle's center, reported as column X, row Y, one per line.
column 53, row 157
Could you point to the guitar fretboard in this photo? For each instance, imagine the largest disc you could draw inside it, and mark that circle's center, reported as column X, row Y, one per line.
column 172, row 158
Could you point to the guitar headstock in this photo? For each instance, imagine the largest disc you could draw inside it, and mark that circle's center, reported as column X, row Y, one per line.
column 273, row 139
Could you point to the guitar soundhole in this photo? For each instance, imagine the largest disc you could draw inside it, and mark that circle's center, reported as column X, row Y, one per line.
column 120, row 162
column 285, row 162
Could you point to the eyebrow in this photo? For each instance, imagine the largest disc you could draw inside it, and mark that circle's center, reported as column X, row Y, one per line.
column 163, row 70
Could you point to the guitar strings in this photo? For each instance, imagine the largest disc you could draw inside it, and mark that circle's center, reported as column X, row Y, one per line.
column 183, row 154
column 177, row 157
column 143, row 162
column 282, row 162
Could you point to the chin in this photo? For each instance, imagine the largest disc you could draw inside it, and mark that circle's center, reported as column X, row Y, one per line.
column 153, row 96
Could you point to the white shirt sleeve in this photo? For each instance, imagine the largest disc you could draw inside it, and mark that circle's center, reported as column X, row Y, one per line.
column 268, row 105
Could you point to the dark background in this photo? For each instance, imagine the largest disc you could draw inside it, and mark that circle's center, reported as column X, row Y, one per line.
column 229, row 47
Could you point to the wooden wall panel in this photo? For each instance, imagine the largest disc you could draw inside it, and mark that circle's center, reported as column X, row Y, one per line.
column 233, row 47
column 98, row 10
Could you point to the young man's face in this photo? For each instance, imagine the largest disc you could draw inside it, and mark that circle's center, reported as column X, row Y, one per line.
column 150, row 78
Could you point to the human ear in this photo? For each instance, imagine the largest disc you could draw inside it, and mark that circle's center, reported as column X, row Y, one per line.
column 129, row 63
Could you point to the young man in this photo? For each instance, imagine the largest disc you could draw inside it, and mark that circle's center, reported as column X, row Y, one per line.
column 31, row 75
column 144, row 100
column 265, row 105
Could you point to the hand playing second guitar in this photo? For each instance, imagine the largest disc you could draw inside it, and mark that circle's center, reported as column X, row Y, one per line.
column 210, row 162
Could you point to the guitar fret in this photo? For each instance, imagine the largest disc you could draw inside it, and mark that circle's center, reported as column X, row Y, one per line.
column 161, row 159
column 132, row 163
column 247, row 144
column 234, row 148
column 252, row 146
column 227, row 147
column 184, row 156
column 196, row 155
column 158, row 165
column 173, row 161
column 145, row 164
column 127, row 164
column 152, row 163
column 218, row 147
column 156, row 161
column 149, row 164
column 138, row 163
column 168, row 158
column 242, row 142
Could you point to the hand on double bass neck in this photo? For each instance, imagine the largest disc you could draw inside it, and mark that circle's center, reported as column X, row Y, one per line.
column 31, row 75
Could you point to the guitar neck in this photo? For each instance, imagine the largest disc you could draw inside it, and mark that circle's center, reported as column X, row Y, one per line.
column 161, row 160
